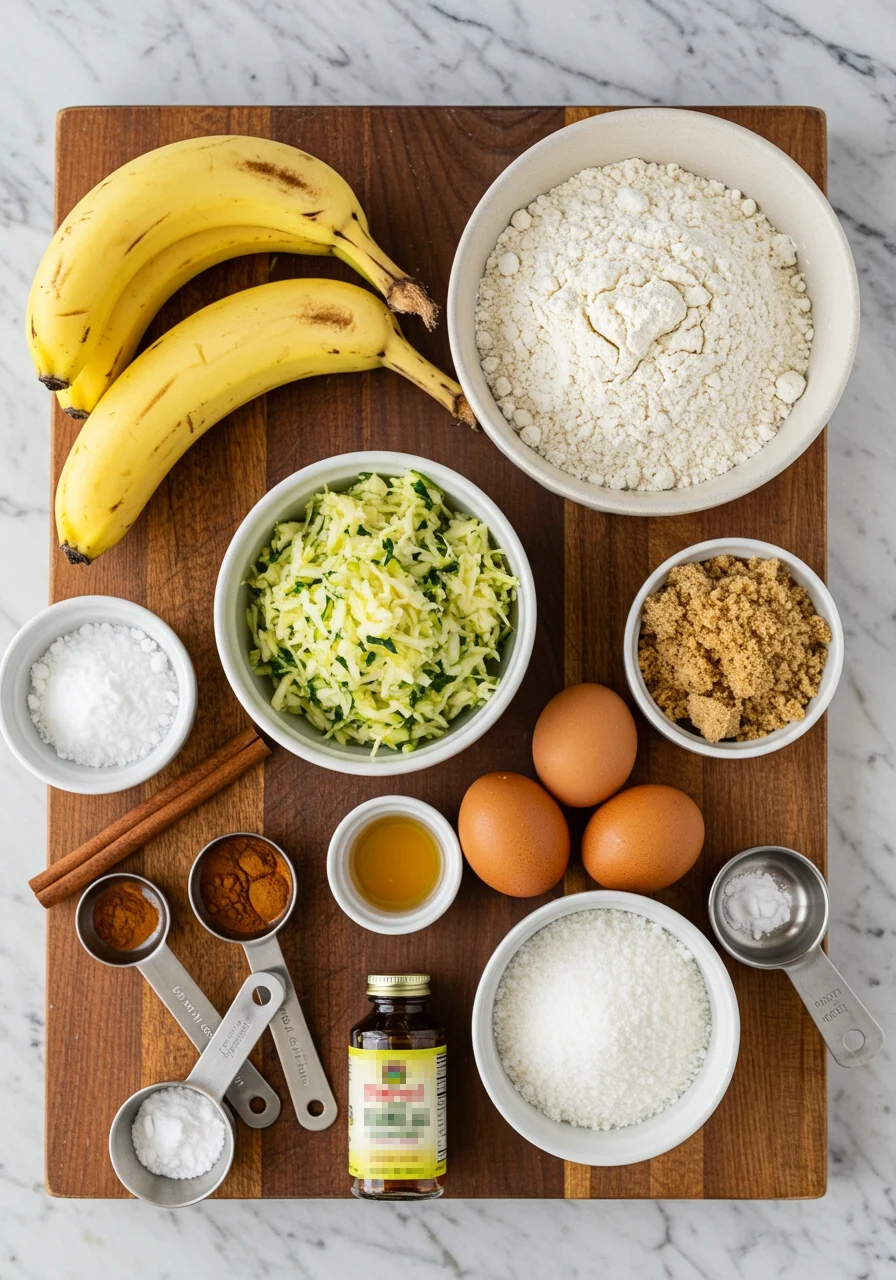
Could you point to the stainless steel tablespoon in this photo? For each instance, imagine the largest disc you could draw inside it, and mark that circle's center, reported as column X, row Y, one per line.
column 250, row 1095
column 309, row 1089
column 848, row 1029
column 218, row 1063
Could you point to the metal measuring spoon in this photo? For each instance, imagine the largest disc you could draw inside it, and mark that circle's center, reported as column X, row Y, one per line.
column 250, row 1095
column 311, row 1094
column 218, row 1063
column 847, row 1027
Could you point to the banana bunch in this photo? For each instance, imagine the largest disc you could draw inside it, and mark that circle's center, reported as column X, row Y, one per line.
column 203, row 369
column 163, row 218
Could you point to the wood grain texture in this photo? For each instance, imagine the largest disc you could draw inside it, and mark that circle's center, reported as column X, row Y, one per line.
column 419, row 172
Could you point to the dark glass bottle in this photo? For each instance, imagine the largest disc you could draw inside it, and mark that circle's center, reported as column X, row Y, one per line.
column 397, row 1093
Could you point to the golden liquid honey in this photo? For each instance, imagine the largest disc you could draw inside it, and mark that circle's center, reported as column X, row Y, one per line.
column 395, row 863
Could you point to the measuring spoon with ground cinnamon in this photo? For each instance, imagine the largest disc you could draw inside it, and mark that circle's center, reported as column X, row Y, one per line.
column 242, row 888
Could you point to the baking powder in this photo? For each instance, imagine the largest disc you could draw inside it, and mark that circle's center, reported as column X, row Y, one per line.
column 642, row 327
column 755, row 903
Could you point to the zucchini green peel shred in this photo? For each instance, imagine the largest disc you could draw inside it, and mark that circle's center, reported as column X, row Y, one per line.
column 382, row 615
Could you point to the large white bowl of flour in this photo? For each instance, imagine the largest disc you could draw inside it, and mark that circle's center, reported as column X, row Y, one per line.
column 756, row 171
column 573, row 1012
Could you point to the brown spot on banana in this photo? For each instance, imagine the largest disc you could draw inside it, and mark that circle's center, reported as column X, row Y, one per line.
column 151, row 227
column 200, row 351
column 332, row 317
column 288, row 179
column 64, row 314
column 155, row 400
column 86, row 334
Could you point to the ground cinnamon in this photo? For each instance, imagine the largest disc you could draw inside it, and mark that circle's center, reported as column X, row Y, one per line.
column 245, row 885
column 124, row 917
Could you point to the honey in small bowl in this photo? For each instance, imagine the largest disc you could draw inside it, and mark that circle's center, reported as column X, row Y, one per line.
column 395, row 863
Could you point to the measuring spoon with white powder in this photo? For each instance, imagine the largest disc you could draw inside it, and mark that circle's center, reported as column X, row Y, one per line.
column 250, row 1095
column 224, row 1055
column 769, row 908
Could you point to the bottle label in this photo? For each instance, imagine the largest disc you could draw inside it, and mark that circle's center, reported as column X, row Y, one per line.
column 397, row 1113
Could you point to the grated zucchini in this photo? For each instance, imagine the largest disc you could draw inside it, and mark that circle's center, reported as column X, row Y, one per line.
column 380, row 616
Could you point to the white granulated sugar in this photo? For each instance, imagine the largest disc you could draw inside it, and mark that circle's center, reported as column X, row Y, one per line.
column 178, row 1133
column 644, row 328
column 602, row 1019
column 755, row 903
column 103, row 695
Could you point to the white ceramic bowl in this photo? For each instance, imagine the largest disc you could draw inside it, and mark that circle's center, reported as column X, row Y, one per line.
column 635, row 1142
column 339, row 871
column 711, row 148
column 15, row 684
column 287, row 500
column 824, row 605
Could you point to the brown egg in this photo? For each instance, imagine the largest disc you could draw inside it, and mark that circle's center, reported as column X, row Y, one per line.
column 643, row 839
column 584, row 744
column 513, row 834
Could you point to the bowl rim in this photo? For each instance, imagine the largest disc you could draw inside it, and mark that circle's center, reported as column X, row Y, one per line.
column 329, row 755
column 725, row 1022
column 393, row 923
column 821, row 598
column 65, row 775
column 642, row 502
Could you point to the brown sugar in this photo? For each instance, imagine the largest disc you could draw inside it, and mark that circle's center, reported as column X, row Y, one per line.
column 245, row 885
column 733, row 646
column 124, row 916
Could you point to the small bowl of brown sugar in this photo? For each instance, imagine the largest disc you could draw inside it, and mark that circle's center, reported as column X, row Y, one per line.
column 733, row 648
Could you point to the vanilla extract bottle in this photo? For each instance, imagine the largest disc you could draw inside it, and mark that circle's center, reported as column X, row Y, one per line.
column 397, row 1093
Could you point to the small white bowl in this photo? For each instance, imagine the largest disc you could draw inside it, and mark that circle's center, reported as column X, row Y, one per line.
column 33, row 640
column 824, row 605
column 287, row 501
column 339, row 870
column 711, row 148
column 638, row 1141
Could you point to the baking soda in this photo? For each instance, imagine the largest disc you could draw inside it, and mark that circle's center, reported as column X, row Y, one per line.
column 178, row 1133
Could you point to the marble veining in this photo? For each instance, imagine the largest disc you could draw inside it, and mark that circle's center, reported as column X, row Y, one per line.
column 838, row 56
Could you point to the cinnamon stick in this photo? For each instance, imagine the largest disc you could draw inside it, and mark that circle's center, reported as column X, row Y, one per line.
column 144, row 810
column 154, row 823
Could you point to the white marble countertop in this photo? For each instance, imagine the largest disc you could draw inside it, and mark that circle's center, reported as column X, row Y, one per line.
column 827, row 53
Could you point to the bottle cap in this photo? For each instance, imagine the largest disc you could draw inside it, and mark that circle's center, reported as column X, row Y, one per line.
column 398, row 984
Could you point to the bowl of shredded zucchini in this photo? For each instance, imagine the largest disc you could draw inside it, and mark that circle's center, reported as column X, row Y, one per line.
column 375, row 613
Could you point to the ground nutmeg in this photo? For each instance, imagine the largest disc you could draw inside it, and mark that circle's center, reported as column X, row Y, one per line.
column 245, row 884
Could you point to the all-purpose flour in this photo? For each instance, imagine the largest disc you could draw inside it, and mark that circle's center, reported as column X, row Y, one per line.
column 642, row 327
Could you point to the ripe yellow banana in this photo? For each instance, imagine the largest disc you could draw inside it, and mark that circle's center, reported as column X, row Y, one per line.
column 204, row 368
column 166, row 195
column 149, row 289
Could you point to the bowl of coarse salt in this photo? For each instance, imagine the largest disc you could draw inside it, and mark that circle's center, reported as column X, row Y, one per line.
column 605, row 1028
column 97, row 694
column 653, row 311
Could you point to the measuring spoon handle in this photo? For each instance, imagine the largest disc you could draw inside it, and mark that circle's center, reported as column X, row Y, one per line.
column 846, row 1026
column 197, row 1016
column 239, row 1032
column 302, row 1068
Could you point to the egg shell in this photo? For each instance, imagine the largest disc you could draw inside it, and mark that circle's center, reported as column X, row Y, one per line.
column 584, row 744
column 643, row 839
column 513, row 834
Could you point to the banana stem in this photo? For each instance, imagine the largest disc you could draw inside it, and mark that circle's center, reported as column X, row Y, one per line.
column 356, row 247
column 401, row 357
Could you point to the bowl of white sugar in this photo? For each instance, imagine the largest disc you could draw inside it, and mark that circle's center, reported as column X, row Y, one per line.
column 97, row 694
column 653, row 311
column 605, row 1028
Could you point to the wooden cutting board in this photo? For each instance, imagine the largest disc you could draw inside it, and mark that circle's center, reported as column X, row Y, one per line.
column 418, row 172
